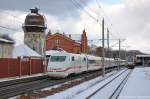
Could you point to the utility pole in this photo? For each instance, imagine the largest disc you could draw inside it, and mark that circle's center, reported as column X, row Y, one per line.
column 119, row 53
column 44, row 55
column 103, row 50
column 108, row 51
column 126, row 57
column 108, row 40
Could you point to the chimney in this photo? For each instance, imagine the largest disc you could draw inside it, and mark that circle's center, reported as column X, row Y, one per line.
column 49, row 32
column 34, row 10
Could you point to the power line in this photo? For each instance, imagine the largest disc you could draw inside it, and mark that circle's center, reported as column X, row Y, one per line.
column 108, row 19
column 91, row 10
column 14, row 16
column 78, row 5
column 100, row 7
column 8, row 28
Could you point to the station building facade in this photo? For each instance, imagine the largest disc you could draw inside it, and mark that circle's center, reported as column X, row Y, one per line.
column 68, row 42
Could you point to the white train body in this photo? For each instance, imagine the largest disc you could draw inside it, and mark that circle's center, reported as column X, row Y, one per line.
column 62, row 64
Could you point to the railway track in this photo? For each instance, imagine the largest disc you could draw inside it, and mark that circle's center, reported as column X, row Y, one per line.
column 17, row 87
column 102, row 92
column 11, row 88
column 23, row 80
column 120, row 87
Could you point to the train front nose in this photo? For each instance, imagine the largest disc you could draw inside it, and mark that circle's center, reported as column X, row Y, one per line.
column 56, row 66
column 56, row 72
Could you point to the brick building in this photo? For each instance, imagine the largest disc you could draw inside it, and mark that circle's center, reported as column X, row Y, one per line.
column 70, row 43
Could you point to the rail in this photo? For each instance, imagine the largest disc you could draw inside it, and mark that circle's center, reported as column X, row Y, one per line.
column 18, row 87
column 106, row 84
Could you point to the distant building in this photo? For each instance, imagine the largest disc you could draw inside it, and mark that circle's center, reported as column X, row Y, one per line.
column 34, row 31
column 142, row 59
column 6, row 46
column 68, row 42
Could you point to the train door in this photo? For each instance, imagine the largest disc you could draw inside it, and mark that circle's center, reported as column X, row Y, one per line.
column 85, row 63
column 78, row 64
column 73, row 64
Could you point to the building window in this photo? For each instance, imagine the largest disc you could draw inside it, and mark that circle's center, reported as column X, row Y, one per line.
column 57, row 42
column 33, row 35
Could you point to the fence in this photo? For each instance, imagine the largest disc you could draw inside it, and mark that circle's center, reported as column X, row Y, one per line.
column 11, row 67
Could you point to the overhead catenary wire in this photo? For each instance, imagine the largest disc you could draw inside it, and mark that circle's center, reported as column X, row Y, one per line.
column 79, row 6
column 16, row 18
column 97, row 20
column 111, row 26
column 19, row 20
column 7, row 28
column 106, row 17
column 90, row 9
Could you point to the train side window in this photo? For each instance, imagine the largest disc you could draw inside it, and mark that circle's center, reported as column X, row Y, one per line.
column 72, row 58
column 91, row 61
column 84, row 59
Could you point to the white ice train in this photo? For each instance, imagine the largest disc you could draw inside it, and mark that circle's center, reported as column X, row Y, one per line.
column 62, row 64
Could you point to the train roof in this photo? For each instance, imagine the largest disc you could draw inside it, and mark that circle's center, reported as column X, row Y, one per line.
column 93, row 57
column 61, row 53
column 142, row 55
column 50, row 52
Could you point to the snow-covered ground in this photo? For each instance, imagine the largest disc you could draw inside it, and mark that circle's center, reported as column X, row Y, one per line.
column 84, row 89
column 108, row 90
column 138, row 85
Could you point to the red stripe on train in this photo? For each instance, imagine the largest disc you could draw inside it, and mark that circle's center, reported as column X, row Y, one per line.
column 59, row 70
column 63, row 70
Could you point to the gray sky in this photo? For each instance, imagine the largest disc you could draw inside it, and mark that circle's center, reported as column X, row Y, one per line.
column 57, row 8
column 130, row 19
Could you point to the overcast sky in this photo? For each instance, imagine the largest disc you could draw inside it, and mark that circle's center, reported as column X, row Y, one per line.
column 126, row 19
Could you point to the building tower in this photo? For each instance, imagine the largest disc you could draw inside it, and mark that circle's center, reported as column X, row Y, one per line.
column 84, row 42
column 34, row 31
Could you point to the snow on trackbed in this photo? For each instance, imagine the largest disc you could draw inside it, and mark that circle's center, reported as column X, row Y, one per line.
column 138, row 85
column 72, row 92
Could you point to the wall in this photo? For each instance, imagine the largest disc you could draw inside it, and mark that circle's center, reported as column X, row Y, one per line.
column 11, row 67
column 35, row 40
column 60, row 41
column 6, row 50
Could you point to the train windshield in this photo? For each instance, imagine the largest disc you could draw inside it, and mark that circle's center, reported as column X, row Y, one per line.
column 57, row 58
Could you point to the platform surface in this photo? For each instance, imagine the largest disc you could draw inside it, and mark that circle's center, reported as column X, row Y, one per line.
column 138, row 85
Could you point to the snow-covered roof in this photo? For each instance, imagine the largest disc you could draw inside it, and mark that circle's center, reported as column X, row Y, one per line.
column 142, row 55
column 6, row 41
column 23, row 51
